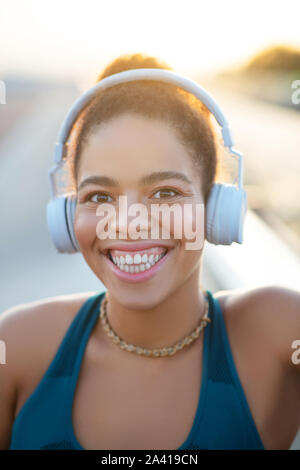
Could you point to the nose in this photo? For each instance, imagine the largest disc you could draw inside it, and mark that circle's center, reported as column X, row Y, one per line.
column 127, row 219
column 133, row 218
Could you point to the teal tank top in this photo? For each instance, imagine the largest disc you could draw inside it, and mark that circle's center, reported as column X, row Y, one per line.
column 223, row 419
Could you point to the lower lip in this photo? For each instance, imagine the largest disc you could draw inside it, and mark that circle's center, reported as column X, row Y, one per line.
column 141, row 276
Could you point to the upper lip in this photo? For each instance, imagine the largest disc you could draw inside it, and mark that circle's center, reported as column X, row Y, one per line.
column 134, row 246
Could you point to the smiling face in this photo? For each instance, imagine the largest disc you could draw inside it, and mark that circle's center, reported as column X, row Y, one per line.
column 145, row 161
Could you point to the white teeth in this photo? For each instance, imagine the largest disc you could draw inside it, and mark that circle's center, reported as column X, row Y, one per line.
column 137, row 259
column 141, row 263
column 128, row 259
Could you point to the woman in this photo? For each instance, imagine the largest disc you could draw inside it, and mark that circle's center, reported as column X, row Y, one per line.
column 232, row 385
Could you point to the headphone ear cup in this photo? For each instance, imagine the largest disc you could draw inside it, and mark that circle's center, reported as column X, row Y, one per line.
column 224, row 216
column 59, row 218
column 70, row 210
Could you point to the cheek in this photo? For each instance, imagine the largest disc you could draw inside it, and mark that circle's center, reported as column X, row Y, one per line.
column 85, row 228
column 189, row 262
column 193, row 227
column 186, row 224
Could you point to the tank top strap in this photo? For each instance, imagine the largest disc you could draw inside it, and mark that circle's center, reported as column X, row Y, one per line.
column 70, row 352
column 219, row 367
column 226, row 392
column 208, row 342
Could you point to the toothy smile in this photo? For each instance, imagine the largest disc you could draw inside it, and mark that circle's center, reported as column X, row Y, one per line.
column 136, row 261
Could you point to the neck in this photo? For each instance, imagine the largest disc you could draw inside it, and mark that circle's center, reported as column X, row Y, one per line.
column 165, row 324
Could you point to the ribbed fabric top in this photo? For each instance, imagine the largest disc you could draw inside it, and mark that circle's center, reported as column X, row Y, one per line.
column 223, row 419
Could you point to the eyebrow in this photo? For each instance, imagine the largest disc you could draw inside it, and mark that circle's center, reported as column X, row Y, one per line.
column 148, row 179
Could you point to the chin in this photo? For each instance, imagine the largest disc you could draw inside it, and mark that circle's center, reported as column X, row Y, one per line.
column 141, row 298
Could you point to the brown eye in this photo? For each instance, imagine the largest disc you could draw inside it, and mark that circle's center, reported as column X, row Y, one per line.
column 99, row 197
column 164, row 193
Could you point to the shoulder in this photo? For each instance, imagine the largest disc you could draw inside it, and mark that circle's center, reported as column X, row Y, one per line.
column 271, row 313
column 32, row 332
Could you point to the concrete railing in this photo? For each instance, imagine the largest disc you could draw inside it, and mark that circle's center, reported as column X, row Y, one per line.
column 262, row 259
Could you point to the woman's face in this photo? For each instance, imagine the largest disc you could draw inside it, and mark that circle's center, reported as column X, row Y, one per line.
column 144, row 161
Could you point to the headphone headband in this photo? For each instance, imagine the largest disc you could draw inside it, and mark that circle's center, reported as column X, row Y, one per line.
column 162, row 75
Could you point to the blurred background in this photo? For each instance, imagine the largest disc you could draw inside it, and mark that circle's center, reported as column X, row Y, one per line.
column 246, row 54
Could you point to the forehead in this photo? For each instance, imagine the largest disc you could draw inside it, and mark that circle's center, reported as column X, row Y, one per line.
column 131, row 146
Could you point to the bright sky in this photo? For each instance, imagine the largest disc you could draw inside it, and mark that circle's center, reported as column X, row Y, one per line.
column 76, row 39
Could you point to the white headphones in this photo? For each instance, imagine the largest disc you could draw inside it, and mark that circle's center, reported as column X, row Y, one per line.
column 226, row 205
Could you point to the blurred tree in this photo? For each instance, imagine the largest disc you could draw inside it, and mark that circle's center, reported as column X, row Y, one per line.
column 276, row 58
